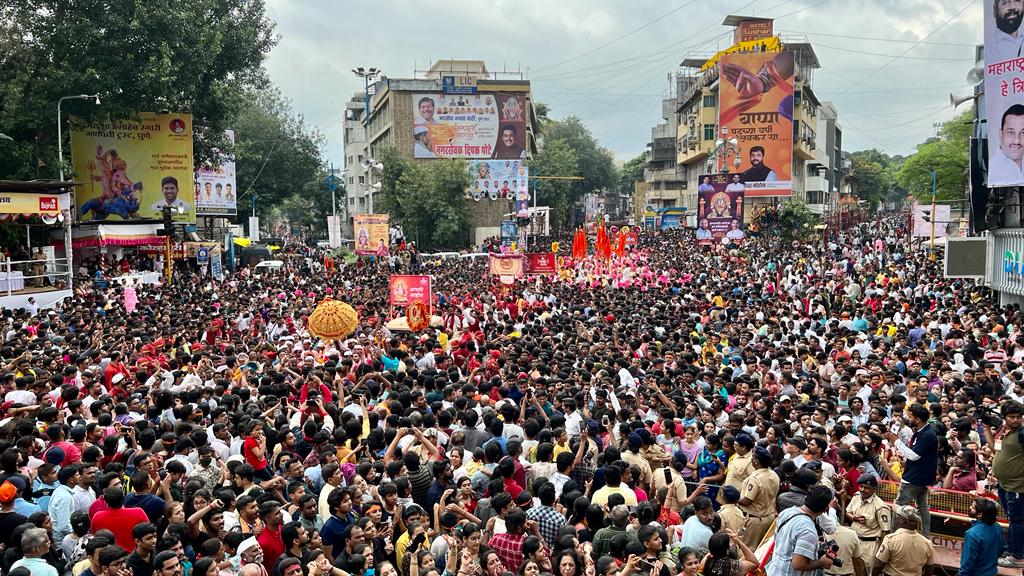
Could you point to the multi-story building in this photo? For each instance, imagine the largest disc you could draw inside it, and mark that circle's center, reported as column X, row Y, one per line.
column 666, row 180
column 698, row 135
column 457, row 89
column 823, row 180
column 356, row 177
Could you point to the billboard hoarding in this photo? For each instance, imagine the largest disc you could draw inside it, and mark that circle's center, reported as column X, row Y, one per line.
column 509, row 232
column 500, row 180
column 134, row 167
column 540, row 263
column 491, row 125
column 215, row 190
column 371, row 234
column 756, row 108
column 1004, row 94
column 720, row 207
column 406, row 289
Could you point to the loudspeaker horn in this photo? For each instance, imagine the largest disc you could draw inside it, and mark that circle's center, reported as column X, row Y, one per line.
column 977, row 74
column 956, row 101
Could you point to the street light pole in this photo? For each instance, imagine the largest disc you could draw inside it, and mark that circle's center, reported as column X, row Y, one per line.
column 60, row 129
column 368, row 75
column 931, row 255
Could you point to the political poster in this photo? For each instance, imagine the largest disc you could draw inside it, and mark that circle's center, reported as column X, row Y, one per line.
column 215, row 186
column 371, row 234
column 469, row 126
column 406, row 289
column 509, row 232
column 500, row 180
column 540, row 263
column 756, row 109
column 720, row 208
column 134, row 167
column 1004, row 93
column 216, row 266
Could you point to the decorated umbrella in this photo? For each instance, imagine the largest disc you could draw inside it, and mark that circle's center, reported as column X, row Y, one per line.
column 333, row 320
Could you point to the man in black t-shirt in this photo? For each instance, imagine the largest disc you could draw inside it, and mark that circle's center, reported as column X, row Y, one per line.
column 9, row 519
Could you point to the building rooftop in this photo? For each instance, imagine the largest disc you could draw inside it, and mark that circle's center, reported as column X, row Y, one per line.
column 736, row 20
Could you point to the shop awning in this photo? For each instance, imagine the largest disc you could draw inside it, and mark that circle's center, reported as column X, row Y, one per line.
column 117, row 235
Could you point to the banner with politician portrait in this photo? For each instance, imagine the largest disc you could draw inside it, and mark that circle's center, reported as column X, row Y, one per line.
column 134, row 167
column 720, row 208
column 1004, row 92
column 489, row 125
column 756, row 108
column 215, row 186
column 500, row 180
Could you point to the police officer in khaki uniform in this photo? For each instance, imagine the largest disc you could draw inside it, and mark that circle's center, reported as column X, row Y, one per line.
column 655, row 455
column 905, row 552
column 668, row 476
column 632, row 456
column 740, row 465
column 757, row 498
column 730, row 513
column 869, row 516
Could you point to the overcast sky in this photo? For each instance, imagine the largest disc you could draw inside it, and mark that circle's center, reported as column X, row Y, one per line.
column 888, row 65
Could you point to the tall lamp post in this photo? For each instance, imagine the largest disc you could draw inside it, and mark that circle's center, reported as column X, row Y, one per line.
column 60, row 128
column 371, row 165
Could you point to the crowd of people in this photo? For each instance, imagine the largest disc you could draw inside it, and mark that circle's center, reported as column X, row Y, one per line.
column 660, row 414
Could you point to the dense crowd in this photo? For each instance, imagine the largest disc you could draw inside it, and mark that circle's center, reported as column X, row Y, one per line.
column 656, row 414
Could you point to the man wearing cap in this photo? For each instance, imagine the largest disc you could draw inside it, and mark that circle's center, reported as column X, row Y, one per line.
column 741, row 464
column 757, row 498
column 730, row 513
column 632, row 455
column 905, row 552
column 869, row 516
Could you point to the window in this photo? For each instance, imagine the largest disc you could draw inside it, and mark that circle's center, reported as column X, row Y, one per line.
column 362, row 179
column 360, row 158
column 362, row 201
column 710, row 100
column 709, row 131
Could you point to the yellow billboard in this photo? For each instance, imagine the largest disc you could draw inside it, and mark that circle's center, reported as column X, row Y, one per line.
column 371, row 234
column 134, row 167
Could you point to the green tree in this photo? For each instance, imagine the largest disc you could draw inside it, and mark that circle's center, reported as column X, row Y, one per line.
column 950, row 162
column 632, row 172
column 428, row 200
column 555, row 158
column 947, row 155
column 276, row 154
column 198, row 56
column 594, row 162
column 795, row 220
column 871, row 177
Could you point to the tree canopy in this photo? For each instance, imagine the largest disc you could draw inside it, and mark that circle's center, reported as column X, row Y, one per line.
column 277, row 156
column 947, row 155
column 199, row 56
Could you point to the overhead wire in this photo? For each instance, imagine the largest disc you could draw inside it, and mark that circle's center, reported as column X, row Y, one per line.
column 911, row 47
column 620, row 38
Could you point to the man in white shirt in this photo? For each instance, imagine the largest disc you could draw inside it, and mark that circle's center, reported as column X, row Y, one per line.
column 1004, row 43
column 735, row 185
column 1005, row 165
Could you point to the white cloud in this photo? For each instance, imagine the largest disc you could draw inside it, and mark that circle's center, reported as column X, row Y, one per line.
column 617, row 89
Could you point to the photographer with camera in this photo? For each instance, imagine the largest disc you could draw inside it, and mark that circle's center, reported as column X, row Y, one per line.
column 1008, row 469
column 796, row 549
column 905, row 552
